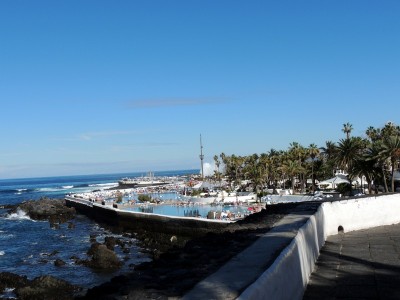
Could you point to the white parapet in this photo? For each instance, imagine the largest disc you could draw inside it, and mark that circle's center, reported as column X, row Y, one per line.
column 288, row 276
column 363, row 213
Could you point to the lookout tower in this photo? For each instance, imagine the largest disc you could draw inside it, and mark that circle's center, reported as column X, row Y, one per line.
column 201, row 159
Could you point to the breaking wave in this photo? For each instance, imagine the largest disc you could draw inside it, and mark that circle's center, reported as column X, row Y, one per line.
column 104, row 184
column 16, row 191
column 19, row 215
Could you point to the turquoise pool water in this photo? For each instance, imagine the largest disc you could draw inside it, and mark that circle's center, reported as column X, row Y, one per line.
column 170, row 208
column 195, row 210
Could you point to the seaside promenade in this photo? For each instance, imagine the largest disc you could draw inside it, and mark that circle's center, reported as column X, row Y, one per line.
column 362, row 264
column 348, row 249
column 334, row 249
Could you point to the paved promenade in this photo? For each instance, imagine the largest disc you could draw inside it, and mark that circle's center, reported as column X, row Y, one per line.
column 362, row 264
column 234, row 277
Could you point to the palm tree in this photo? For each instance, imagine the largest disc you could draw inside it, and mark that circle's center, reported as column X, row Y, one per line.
column 313, row 152
column 233, row 167
column 265, row 162
column 254, row 170
column 373, row 133
column 298, row 152
column 374, row 153
column 347, row 151
column 217, row 164
column 366, row 166
column 292, row 168
column 347, row 128
column 390, row 129
column 275, row 158
column 327, row 154
column 390, row 149
column 329, row 150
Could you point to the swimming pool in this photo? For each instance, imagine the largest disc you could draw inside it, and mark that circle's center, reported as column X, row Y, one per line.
column 192, row 210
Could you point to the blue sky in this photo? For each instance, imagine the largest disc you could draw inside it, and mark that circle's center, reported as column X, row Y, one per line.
column 123, row 86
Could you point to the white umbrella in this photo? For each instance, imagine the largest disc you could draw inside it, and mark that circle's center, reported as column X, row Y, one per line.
column 203, row 185
column 335, row 180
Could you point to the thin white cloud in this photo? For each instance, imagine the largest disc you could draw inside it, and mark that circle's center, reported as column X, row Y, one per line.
column 92, row 135
column 10, row 154
column 155, row 103
column 143, row 145
column 87, row 136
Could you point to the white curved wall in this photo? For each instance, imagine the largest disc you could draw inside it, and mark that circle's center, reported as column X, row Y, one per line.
column 288, row 276
column 357, row 214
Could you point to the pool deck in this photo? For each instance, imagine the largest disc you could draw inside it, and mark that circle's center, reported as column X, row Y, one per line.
column 362, row 264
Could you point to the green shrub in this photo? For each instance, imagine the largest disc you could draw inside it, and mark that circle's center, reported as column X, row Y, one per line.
column 119, row 197
column 144, row 198
column 344, row 189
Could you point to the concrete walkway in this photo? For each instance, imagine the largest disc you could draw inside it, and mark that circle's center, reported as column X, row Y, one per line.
column 362, row 264
column 234, row 277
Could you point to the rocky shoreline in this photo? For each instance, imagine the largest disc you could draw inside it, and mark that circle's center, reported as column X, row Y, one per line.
column 101, row 257
column 178, row 262
column 53, row 210
column 178, row 269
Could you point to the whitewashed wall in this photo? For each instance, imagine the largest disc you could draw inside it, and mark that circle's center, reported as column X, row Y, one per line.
column 288, row 276
column 362, row 213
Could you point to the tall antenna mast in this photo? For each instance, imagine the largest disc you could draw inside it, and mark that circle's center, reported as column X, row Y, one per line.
column 201, row 158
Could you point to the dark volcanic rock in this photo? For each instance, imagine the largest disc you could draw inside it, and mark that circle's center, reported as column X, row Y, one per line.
column 59, row 263
column 104, row 258
column 93, row 248
column 10, row 280
column 47, row 287
column 110, row 242
column 44, row 287
column 53, row 210
column 179, row 268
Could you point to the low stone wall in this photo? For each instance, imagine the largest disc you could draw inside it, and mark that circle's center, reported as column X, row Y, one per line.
column 290, row 198
column 362, row 213
column 139, row 222
column 287, row 278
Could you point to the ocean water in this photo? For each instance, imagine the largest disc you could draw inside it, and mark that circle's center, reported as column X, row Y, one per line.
column 29, row 247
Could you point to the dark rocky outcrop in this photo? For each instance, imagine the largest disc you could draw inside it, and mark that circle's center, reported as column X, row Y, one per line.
column 43, row 287
column 47, row 287
column 10, row 280
column 103, row 258
column 59, row 262
column 176, row 270
column 110, row 242
column 53, row 210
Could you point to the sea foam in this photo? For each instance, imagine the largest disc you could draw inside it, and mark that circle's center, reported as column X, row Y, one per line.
column 111, row 184
column 19, row 215
column 66, row 187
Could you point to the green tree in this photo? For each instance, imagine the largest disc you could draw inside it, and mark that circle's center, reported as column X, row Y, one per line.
column 348, row 151
column 313, row 151
column 366, row 166
column 327, row 155
column 390, row 149
column 254, row 171
column 347, row 128
column 217, row 172
column 144, row 198
column 299, row 153
column 292, row 168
